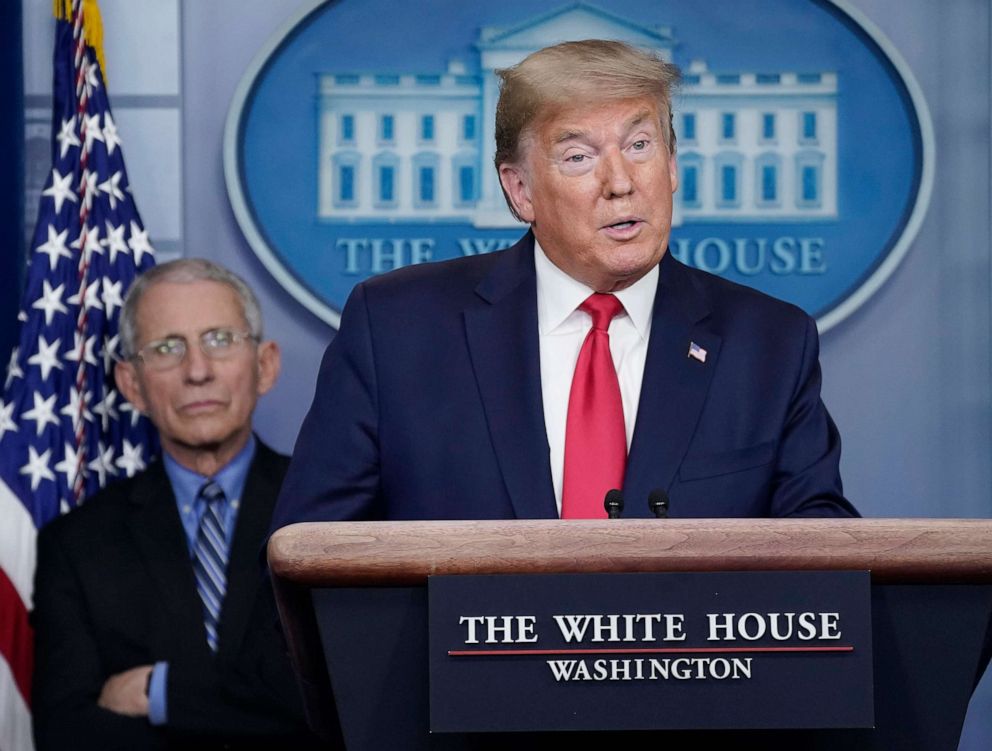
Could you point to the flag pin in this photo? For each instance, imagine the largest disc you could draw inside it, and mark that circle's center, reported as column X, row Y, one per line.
column 696, row 352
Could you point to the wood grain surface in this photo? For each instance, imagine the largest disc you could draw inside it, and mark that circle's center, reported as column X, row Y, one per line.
column 400, row 553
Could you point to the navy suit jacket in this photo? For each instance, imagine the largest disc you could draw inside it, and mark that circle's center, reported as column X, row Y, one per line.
column 115, row 589
column 428, row 403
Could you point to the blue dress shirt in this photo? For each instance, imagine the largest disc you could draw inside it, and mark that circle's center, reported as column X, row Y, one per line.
column 185, row 487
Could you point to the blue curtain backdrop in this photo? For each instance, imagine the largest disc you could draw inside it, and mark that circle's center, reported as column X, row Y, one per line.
column 12, row 175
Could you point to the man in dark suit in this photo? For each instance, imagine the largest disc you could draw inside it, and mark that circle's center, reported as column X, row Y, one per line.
column 527, row 383
column 155, row 627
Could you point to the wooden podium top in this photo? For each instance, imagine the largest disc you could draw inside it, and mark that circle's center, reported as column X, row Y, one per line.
column 399, row 553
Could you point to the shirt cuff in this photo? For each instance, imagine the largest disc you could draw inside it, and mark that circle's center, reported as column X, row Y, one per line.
column 156, row 694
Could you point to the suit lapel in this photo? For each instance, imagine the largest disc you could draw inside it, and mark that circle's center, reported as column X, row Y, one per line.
column 503, row 341
column 674, row 387
column 244, row 566
column 161, row 542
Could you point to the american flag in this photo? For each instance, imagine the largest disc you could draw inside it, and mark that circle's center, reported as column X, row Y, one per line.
column 65, row 431
column 696, row 352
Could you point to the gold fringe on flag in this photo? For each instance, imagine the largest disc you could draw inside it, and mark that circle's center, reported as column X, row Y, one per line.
column 92, row 26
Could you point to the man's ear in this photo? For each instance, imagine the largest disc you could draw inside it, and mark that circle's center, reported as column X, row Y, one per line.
column 269, row 365
column 126, row 377
column 515, row 182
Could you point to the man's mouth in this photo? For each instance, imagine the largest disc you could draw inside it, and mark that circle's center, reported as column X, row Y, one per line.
column 623, row 228
column 201, row 405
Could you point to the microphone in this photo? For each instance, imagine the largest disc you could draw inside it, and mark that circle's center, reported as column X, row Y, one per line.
column 613, row 504
column 658, row 503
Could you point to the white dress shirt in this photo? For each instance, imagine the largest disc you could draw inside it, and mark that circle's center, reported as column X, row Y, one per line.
column 562, row 328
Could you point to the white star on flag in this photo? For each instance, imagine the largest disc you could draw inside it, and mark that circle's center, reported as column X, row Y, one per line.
column 111, row 298
column 92, row 131
column 105, row 408
column 69, row 466
column 110, row 133
column 115, row 241
column 46, row 357
column 72, row 409
column 55, row 247
column 92, row 299
column 139, row 243
column 84, row 349
column 91, row 79
column 130, row 459
column 67, row 136
column 60, row 190
column 43, row 412
column 87, row 186
column 111, row 186
column 50, row 301
column 103, row 463
column 109, row 347
column 37, row 467
column 6, row 418
column 134, row 414
column 13, row 368
column 92, row 242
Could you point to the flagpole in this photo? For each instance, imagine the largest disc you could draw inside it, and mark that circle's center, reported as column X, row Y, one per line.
column 85, row 186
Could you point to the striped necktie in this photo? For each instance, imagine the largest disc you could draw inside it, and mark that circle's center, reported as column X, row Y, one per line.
column 210, row 559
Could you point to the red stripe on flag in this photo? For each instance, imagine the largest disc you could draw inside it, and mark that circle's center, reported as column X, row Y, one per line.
column 16, row 637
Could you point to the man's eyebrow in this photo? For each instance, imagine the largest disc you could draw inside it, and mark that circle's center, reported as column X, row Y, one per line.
column 201, row 332
column 169, row 335
column 575, row 134
column 639, row 118
column 567, row 135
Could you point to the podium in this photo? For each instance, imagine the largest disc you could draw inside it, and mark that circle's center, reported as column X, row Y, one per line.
column 353, row 600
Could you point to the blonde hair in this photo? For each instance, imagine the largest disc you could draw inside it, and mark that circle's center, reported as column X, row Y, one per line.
column 572, row 73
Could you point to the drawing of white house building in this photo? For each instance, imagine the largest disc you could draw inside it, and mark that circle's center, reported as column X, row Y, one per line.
column 418, row 147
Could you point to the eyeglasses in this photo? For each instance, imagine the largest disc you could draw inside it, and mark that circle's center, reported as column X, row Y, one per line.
column 217, row 344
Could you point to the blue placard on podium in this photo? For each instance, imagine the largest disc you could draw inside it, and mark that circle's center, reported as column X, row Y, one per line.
column 733, row 650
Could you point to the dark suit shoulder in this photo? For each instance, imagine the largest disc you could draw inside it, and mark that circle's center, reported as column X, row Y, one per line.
column 469, row 269
column 737, row 307
column 105, row 508
column 739, row 295
column 448, row 286
column 269, row 461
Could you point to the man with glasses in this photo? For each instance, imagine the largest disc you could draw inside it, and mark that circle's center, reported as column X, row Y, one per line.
column 154, row 625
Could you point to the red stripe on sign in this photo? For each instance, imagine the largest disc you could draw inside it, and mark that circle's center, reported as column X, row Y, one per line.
column 637, row 651
column 16, row 637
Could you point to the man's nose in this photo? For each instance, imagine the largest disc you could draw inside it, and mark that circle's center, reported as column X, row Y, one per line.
column 615, row 174
column 197, row 367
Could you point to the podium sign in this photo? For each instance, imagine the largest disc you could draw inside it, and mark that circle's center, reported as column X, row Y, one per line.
column 650, row 651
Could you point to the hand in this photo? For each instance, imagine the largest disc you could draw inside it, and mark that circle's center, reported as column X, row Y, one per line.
column 124, row 693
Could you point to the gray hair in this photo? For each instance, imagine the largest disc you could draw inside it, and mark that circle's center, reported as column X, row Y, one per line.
column 573, row 73
column 184, row 271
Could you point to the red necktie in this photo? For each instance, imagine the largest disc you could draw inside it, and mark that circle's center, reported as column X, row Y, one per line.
column 595, row 437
